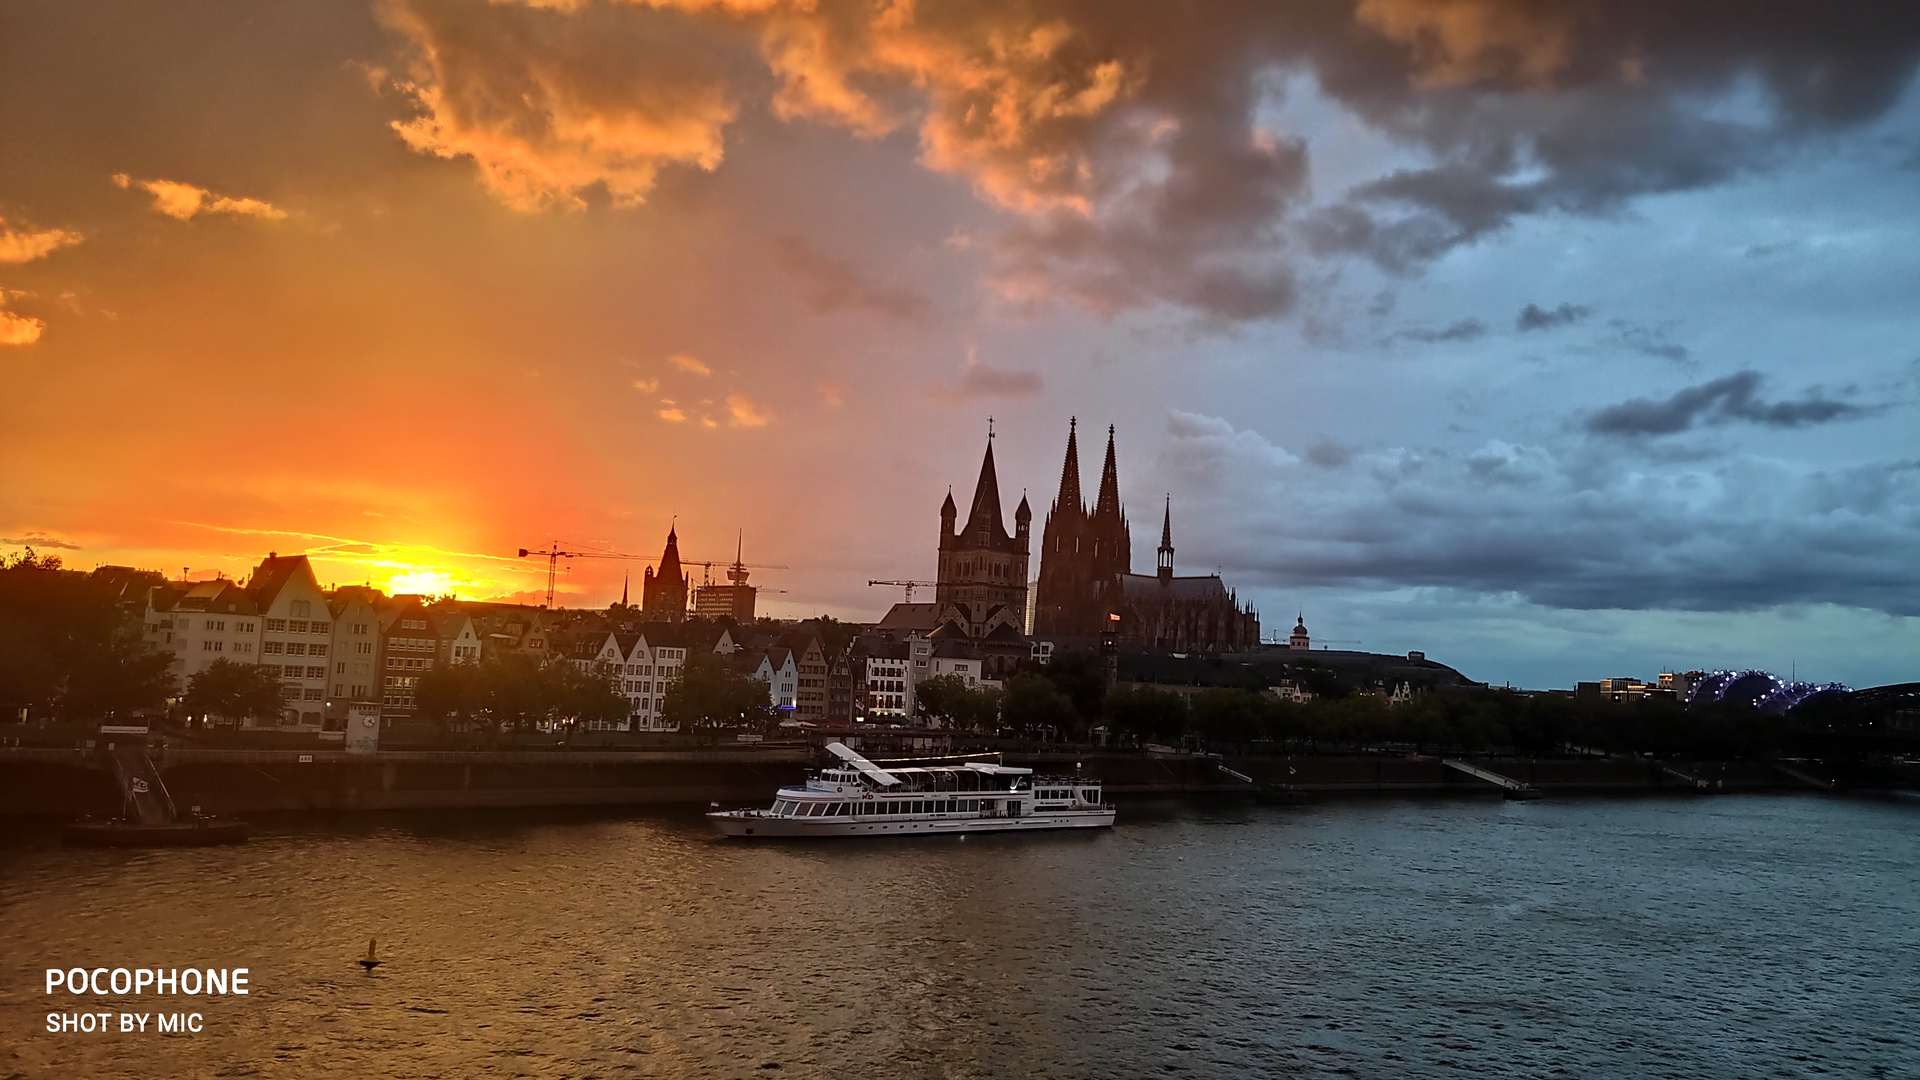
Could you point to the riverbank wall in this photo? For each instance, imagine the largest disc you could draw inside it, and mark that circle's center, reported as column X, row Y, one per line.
column 235, row 781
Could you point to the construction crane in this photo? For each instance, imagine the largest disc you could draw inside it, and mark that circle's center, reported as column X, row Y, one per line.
column 554, row 554
column 908, row 585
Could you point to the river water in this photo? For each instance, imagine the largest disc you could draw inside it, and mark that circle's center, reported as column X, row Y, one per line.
column 1740, row 936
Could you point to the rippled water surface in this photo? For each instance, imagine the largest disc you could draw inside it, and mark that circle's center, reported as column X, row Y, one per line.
column 1729, row 937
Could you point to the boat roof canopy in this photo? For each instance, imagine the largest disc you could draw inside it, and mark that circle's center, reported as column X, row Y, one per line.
column 867, row 768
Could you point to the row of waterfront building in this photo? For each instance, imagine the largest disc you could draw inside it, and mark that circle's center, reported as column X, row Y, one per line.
column 355, row 647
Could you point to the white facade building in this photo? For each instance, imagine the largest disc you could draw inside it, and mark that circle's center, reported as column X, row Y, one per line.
column 889, row 687
column 781, row 673
column 296, row 636
column 200, row 623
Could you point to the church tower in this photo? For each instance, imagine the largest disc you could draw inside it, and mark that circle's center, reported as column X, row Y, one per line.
column 982, row 578
column 1112, row 544
column 1083, row 554
column 663, row 595
column 1065, row 587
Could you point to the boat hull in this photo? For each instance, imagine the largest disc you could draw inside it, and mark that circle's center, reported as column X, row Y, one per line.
column 758, row 823
column 182, row 834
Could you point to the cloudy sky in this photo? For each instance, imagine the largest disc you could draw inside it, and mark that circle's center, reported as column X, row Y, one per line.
column 1559, row 340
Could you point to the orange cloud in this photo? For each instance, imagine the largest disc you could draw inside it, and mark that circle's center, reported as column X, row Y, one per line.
column 186, row 201
column 19, row 329
column 548, row 103
column 672, row 415
column 832, row 393
column 747, row 413
column 646, row 386
column 690, row 365
column 24, row 247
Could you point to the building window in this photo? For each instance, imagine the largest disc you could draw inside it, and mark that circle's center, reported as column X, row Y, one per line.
column 276, row 626
column 296, row 648
column 314, row 695
column 316, row 649
column 273, row 647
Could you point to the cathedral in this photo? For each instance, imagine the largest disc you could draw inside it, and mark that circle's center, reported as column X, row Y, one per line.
column 1087, row 579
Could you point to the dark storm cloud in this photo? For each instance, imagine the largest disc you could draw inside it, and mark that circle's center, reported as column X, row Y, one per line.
column 831, row 284
column 1580, row 107
column 1124, row 142
column 1725, row 400
column 1567, row 529
column 1534, row 317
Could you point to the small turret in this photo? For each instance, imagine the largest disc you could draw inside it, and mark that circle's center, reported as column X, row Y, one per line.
column 947, row 513
column 1022, row 519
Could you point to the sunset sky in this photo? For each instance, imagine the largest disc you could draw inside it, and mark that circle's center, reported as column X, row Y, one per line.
column 1559, row 340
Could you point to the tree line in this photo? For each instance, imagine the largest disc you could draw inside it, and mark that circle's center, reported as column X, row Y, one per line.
column 1069, row 699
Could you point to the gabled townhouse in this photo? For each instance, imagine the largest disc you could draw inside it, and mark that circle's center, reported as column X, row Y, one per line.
column 408, row 646
column 296, row 636
column 356, row 651
column 459, row 639
column 510, row 628
column 810, row 696
column 646, row 661
column 777, row 669
column 653, row 665
column 591, row 650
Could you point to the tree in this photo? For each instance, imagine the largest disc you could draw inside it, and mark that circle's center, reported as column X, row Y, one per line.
column 1145, row 713
column 1229, row 716
column 710, row 696
column 587, row 696
column 1082, row 677
column 452, row 692
column 234, row 691
column 67, row 643
column 948, row 699
column 1032, row 704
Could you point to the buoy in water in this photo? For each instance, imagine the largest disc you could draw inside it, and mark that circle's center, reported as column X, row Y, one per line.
column 370, row 961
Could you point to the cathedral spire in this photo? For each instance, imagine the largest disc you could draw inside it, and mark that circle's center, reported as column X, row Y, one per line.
column 1166, row 542
column 1109, row 499
column 1070, row 498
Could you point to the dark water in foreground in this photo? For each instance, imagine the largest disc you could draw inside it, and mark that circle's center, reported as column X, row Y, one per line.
column 1730, row 937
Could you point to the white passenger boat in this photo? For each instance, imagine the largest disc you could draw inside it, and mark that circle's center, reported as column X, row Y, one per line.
column 859, row 798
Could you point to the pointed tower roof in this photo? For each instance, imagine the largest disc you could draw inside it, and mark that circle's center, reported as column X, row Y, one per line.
column 1166, row 526
column 985, row 511
column 947, row 508
column 624, row 576
column 670, row 559
column 1070, row 497
column 1023, row 512
column 1108, row 501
